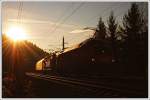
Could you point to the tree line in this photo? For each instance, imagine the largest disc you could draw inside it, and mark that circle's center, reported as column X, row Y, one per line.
column 130, row 41
column 22, row 54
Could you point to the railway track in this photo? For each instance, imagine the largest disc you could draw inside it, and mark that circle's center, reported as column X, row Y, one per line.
column 99, row 90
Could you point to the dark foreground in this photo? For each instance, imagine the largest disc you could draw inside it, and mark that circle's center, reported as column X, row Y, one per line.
column 37, row 85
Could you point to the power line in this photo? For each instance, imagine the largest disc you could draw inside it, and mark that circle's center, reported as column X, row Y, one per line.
column 101, row 13
column 105, row 12
column 63, row 14
column 20, row 7
column 21, row 11
column 18, row 16
column 74, row 11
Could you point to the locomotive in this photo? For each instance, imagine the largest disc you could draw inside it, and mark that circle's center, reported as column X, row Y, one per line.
column 92, row 56
column 46, row 63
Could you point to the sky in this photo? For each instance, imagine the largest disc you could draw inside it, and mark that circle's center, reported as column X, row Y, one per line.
column 45, row 23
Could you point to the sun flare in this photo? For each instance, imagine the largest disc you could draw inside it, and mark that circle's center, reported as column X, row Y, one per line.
column 16, row 33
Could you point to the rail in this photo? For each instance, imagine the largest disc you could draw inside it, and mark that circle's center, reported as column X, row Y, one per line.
column 85, row 84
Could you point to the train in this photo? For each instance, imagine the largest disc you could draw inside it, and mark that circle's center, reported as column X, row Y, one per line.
column 92, row 56
column 46, row 63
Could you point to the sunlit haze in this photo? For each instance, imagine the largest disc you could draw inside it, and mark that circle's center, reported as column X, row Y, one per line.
column 16, row 33
column 45, row 23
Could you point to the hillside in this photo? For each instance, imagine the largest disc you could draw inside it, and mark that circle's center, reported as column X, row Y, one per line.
column 23, row 54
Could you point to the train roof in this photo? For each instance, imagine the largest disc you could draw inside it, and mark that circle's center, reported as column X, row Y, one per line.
column 71, row 48
column 87, row 41
column 39, row 61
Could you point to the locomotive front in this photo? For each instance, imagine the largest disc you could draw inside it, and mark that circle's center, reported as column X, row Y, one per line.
column 43, row 64
column 39, row 65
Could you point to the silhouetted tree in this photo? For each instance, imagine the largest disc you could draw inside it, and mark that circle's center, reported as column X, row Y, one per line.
column 120, row 34
column 133, row 23
column 101, row 30
column 112, row 26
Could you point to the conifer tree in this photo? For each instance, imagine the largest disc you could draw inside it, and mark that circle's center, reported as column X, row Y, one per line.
column 101, row 30
column 112, row 26
column 133, row 22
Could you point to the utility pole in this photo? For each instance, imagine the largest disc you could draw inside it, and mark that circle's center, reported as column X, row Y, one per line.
column 63, row 44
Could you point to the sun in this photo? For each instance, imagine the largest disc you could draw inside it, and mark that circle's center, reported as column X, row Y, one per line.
column 16, row 33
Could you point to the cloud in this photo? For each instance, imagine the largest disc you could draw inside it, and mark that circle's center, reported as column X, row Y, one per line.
column 82, row 30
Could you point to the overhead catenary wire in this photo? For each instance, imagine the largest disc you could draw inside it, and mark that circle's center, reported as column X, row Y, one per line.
column 61, row 16
column 90, row 20
column 20, row 12
column 20, row 7
column 105, row 11
column 102, row 13
column 74, row 11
